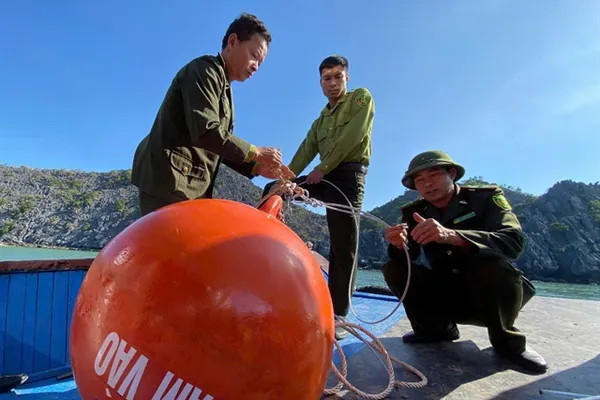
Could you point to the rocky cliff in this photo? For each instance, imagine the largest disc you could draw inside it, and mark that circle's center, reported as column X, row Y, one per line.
column 562, row 228
column 85, row 210
column 73, row 209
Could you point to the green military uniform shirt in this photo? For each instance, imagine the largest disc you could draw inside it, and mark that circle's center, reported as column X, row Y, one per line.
column 340, row 134
column 481, row 215
column 192, row 133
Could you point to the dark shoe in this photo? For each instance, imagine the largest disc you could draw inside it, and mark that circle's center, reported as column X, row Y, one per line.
column 417, row 337
column 340, row 333
column 8, row 382
column 529, row 359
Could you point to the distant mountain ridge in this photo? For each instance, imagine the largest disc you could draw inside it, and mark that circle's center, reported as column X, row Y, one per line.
column 64, row 208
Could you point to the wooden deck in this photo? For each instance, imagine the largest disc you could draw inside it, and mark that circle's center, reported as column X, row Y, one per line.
column 565, row 332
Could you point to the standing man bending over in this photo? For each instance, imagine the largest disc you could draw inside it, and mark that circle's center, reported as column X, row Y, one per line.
column 193, row 131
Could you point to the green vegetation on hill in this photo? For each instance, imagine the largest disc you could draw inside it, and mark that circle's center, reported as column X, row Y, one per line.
column 85, row 210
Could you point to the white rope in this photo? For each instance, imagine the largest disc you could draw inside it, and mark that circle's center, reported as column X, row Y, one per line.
column 376, row 346
column 292, row 192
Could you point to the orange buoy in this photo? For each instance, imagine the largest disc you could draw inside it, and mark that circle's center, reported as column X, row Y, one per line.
column 199, row 300
column 273, row 206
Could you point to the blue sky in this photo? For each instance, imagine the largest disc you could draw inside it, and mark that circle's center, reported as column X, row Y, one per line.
column 510, row 89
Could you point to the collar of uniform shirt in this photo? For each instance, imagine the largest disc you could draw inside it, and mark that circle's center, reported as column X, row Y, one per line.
column 224, row 65
column 327, row 110
column 455, row 198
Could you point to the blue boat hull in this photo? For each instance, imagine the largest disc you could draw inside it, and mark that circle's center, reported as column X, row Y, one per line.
column 36, row 308
column 35, row 312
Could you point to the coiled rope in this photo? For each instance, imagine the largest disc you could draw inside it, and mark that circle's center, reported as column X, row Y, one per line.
column 293, row 193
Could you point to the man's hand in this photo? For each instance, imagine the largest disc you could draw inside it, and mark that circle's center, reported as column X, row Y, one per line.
column 269, row 157
column 315, row 176
column 429, row 230
column 276, row 172
column 270, row 164
column 286, row 173
column 397, row 235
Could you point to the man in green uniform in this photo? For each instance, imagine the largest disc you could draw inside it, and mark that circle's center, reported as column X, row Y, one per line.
column 468, row 237
column 341, row 136
column 193, row 130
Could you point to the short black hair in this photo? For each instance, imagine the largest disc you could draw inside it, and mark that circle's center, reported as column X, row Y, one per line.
column 244, row 27
column 333, row 61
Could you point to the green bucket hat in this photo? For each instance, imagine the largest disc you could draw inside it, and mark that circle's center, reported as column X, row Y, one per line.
column 430, row 159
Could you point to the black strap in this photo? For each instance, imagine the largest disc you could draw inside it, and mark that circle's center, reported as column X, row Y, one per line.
column 351, row 167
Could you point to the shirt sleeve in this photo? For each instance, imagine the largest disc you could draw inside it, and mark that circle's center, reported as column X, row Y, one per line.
column 306, row 152
column 201, row 89
column 353, row 133
column 248, row 169
column 502, row 235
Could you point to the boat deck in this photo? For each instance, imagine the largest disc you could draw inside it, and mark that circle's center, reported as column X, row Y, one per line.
column 566, row 332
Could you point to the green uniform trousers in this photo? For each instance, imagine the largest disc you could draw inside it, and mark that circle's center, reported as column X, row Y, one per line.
column 486, row 292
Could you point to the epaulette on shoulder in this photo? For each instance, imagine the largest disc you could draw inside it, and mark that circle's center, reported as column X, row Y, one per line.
column 360, row 90
column 206, row 59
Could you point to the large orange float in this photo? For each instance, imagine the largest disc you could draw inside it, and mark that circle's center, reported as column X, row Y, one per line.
column 199, row 300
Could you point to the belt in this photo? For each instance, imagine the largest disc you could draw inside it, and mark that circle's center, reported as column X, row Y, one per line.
column 351, row 167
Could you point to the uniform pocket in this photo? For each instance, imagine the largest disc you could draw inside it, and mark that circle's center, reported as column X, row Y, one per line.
column 322, row 135
column 190, row 179
column 343, row 119
column 185, row 166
